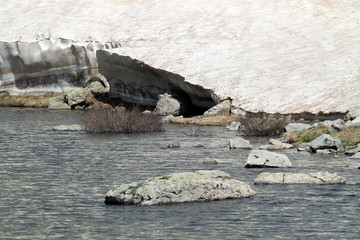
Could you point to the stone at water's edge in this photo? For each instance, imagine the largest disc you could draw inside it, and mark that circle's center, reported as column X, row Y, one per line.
column 264, row 159
column 180, row 188
column 240, row 143
column 325, row 141
column 74, row 127
column 320, row 178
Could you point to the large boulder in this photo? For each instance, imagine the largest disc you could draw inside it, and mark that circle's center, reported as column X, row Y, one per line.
column 325, row 141
column 320, row 178
column 262, row 158
column 168, row 105
column 240, row 143
column 294, row 127
column 179, row 188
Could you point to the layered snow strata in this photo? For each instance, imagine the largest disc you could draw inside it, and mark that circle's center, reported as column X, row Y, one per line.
column 48, row 65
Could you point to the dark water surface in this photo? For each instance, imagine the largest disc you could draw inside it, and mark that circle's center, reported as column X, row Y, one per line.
column 52, row 186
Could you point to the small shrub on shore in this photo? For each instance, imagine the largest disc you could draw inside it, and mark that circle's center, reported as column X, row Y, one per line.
column 121, row 121
column 261, row 126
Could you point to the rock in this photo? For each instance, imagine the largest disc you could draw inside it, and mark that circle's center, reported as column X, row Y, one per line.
column 261, row 158
column 174, row 144
column 352, row 150
column 338, row 125
column 330, row 152
column 95, row 86
column 294, row 127
column 167, row 105
column 276, row 143
column 320, row 178
column 240, row 143
column 74, row 127
column 58, row 103
column 325, row 141
column 75, row 96
column 233, row 126
column 180, row 188
column 327, row 124
column 279, row 144
column 199, row 146
column 356, row 121
column 356, row 155
column 222, row 107
column 269, row 147
column 210, row 161
column 304, row 147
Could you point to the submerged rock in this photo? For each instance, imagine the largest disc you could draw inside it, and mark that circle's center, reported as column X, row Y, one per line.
column 320, row 178
column 180, row 188
column 261, row 158
column 74, row 127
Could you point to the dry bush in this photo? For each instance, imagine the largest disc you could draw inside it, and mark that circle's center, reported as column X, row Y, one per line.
column 261, row 126
column 121, row 121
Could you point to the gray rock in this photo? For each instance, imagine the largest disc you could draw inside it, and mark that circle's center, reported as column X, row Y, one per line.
column 356, row 155
column 95, row 86
column 304, row 147
column 233, row 126
column 74, row 127
column 240, row 143
column 221, row 107
column 352, row 150
column 294, row 127
column 261, row 158
column 325, row 141
column 180, row 188
column 279, row 144
column 320, row 178
column 210, row 161
column 356, row 121
column 269, row 147
column 330, row 152
column 168, row 105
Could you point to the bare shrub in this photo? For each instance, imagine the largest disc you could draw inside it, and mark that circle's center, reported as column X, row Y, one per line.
column 261, row 126
column 121, row 121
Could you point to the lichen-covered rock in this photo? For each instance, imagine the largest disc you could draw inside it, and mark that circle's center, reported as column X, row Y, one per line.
column 320, row 178
column 179, row 188
column 240, row 143
column 262, row 158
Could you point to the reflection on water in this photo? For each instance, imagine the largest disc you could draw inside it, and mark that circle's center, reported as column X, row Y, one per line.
column 52, row 185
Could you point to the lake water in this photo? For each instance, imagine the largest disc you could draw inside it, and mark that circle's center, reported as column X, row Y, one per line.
column 52, row 186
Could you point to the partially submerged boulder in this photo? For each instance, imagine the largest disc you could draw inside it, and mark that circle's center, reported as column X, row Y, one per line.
column 179, row 188
column 325, row 141
column 233, row 126
column 279, row 144
column 352, row 150
column 73, row 127
column 240, row 143
column 320, row 178
column 266, row 159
